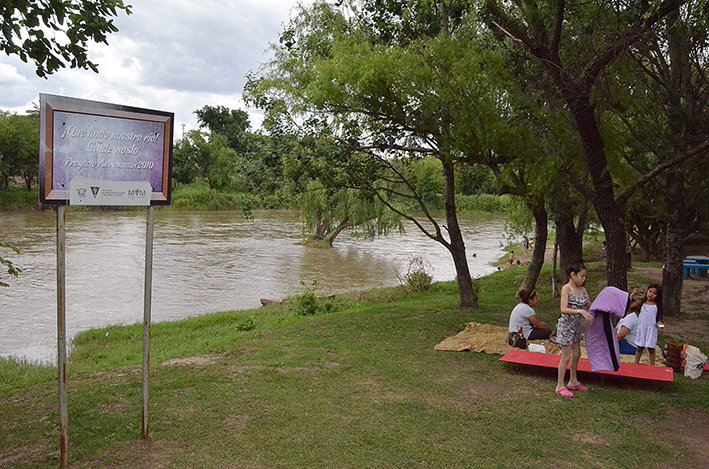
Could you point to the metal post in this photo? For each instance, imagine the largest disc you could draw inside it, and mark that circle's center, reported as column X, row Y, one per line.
column 61, row 336
column 146, row 316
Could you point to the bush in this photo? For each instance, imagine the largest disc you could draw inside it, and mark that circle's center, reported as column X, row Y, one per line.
column 483, row 203
column 416, row 278
column 308, row 303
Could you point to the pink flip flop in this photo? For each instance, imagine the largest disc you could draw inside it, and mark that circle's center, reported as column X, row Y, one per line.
column 578, row 387
column 564, row 392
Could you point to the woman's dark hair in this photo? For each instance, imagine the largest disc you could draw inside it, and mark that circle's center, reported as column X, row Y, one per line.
column 526, row 296
column 575, row 268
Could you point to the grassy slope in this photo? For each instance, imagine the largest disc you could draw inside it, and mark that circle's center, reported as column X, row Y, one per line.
column 361, row 387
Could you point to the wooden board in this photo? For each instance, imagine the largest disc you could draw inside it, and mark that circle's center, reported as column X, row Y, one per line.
column 628, row 370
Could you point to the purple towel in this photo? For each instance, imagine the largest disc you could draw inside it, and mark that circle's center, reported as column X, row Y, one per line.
column 601, row 341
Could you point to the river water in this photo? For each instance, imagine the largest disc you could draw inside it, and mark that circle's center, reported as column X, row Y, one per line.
column 202, row 262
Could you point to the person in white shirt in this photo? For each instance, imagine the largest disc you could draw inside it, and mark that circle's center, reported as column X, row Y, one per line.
column 625, row 331
column 523, row 316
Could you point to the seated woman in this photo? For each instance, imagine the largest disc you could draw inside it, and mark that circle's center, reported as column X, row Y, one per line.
column 524, row 316
column 626, row 328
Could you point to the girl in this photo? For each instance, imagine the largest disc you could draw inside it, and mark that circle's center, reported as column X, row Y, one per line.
column 574, row 307
column 649, row 319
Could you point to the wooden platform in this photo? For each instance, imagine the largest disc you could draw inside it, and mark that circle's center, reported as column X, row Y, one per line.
column 627, row 370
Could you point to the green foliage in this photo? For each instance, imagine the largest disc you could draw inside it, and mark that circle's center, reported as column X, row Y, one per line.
column 23, row 374
column 7, row 263
column 247, row 324
column 54, row 34
column 484, row 203
column 308, row 303
column 19, row 147
column 16, row 198
column 199, row 196
column 416, row 279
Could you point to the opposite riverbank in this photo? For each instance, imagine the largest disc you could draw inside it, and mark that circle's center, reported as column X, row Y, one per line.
column 359, row 386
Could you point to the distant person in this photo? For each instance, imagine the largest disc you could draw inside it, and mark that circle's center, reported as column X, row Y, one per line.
column 524, row 316
column 511, row 259
column 649, row 320
column 574, row 307
column 627, row 328
column 525, row 244
column 475, row 254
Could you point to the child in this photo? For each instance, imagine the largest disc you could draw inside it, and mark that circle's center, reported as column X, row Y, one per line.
column 649, row 319
column 574, row 307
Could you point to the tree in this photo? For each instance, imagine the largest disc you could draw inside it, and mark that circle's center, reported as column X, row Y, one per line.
column 19, row 146
column 201, row 156
column 393, row 99
column 233, row 124
column 575, row 44
column 54, row 34
column 660, row 99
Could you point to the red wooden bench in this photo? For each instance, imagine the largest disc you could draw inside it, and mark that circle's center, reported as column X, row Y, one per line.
column 628, row 370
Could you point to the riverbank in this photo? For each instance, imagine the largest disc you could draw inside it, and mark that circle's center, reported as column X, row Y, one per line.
column 359, row 387
column 198, row 196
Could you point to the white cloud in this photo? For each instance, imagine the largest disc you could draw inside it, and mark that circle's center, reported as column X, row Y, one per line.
column 172, row 56
column 9, row 75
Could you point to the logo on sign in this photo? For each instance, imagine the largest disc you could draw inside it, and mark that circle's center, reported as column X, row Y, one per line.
column 136, row 193
column 81, row 192
column 94, row 191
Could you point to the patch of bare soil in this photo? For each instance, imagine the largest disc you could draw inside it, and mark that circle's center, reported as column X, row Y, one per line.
column 24, row 454
column 192, row 361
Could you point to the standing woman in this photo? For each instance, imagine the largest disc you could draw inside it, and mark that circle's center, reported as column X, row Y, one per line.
column 574, row 307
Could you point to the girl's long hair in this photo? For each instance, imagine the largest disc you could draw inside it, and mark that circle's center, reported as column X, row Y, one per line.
column 658, row 301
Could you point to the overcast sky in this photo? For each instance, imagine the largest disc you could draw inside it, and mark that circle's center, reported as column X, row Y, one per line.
column 168, row 55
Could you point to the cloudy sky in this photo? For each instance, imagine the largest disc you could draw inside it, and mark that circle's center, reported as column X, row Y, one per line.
column 169, row 55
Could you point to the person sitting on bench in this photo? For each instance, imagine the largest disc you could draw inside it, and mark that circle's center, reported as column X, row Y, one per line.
column 625, row 331
column 524, row 316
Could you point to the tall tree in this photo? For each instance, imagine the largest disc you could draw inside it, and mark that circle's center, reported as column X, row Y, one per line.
column 575, row 44
column 662, row 101
column 391, row 101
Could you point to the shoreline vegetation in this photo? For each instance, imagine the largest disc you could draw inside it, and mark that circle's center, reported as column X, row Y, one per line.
column 351, row 382
column 198, row 196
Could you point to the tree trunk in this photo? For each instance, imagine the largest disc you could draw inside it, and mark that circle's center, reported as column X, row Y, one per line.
column 540, row 247
column 678, row 225
column 330, row 238
column 554, row 274
column 607, row 208
column 570, row 242
column 468, row 298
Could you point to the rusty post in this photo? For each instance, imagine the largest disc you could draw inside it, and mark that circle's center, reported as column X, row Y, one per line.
column 146, row 316
column 61, row 336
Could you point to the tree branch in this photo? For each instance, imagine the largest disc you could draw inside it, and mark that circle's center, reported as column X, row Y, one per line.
column 696, row 151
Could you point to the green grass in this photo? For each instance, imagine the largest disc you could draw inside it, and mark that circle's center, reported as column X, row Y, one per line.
column 359, row 387
column 19, row 198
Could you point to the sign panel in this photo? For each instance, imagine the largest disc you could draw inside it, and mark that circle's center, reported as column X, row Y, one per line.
column 86, row 191
column 104, row 142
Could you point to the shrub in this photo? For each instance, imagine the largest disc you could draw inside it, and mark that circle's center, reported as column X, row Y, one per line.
column 416, row 278
column 308, row 303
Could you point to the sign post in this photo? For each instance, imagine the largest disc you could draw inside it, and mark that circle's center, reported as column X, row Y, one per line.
column 94, row 153
column 61, row 335
column 146, row 318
